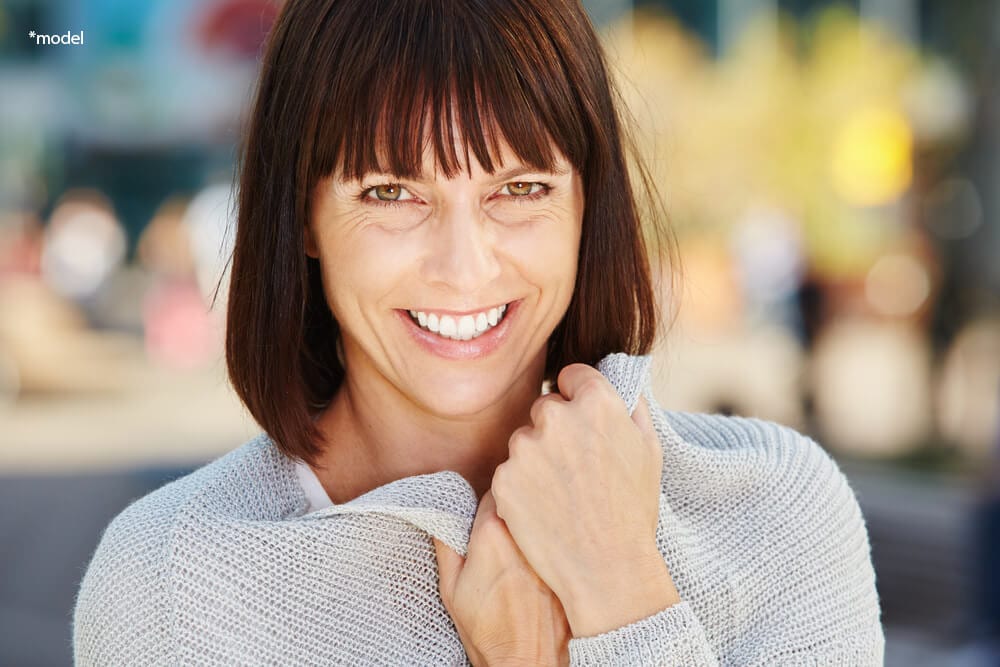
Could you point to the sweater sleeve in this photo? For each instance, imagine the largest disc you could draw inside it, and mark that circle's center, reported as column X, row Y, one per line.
column 826, row 612
column 673, row 636
column 821, row 605
column 122, row 614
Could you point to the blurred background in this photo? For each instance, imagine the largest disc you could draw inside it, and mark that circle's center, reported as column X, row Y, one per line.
column 831, row 171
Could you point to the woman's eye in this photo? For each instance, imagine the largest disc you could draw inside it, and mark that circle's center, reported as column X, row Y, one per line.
column 523, row 188
column 388, row 192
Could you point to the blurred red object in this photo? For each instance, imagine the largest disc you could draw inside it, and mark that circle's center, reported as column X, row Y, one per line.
column 21, row 247
column 238, row 27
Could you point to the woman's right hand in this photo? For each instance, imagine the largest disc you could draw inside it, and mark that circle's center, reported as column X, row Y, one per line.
column 504, row 614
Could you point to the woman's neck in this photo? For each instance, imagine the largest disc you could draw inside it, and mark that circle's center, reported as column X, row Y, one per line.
column 373, row 434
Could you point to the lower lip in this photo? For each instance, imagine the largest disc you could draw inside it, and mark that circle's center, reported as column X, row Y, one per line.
column 474, row 348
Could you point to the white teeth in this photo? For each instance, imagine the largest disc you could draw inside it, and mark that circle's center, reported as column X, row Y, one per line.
column 465, row 327
column 448, row 326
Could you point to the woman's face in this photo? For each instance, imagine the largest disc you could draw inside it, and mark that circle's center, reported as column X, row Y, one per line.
column 447, row 289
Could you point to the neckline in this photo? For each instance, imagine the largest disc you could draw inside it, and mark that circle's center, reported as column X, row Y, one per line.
column 316, row 495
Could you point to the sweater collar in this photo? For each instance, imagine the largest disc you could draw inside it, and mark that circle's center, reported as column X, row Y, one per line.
column 444, row 504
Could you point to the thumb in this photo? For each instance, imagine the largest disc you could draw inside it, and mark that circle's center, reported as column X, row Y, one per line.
column 450, row 565
column 643, row 420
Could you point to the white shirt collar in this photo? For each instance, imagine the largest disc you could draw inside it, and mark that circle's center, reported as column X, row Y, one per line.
column 316, row 495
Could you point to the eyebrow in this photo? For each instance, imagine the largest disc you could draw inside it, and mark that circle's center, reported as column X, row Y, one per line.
column 499, row 177
column 507, row 174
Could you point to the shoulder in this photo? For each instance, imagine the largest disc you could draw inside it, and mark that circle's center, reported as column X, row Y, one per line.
column 123, row 606
column 727, row 433
column 788, row 524
column 762, row 453
column 754, row 457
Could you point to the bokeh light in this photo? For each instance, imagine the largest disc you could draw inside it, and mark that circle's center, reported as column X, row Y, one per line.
column 830, row 171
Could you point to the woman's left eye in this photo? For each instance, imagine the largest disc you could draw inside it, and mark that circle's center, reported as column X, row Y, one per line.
column 523, row 188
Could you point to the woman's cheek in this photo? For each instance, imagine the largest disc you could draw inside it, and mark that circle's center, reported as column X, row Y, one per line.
column 545, row 249
column 363, row 268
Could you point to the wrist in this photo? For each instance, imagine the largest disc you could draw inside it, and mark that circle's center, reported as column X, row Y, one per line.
column 618, row 597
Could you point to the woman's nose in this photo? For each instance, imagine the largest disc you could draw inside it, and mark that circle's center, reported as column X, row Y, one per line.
column 462, row 255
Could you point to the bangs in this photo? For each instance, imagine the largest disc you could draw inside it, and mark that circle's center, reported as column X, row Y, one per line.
column 350, row 87
column 415, row 74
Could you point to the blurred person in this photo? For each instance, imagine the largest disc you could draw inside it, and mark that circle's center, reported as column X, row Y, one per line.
column 435, row 223
column 984, row 645
column 49, row 277
column 968, row 391
column 84, row 245
column 179, row 328
column 871, row 386
column 207, row 218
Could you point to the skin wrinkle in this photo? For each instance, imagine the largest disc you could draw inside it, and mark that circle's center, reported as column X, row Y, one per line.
column 460, row 245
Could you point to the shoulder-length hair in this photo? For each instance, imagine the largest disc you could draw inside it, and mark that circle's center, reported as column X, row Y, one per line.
column 351, row 86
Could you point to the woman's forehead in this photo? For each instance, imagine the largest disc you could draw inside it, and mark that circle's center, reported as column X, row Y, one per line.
column 506, row 160
column 422, row 134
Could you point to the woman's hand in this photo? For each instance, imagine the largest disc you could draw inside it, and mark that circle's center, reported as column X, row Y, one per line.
column 580, row 495
column 505, row 614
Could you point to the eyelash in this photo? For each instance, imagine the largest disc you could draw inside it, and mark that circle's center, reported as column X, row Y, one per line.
column 520, row 199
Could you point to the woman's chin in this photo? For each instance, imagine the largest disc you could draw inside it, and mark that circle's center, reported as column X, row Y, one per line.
column 456, row 398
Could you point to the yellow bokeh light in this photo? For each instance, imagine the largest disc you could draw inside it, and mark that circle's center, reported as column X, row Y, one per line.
column 872, row 157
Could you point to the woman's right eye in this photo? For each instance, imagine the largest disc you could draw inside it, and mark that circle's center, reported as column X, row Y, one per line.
column 388, row 193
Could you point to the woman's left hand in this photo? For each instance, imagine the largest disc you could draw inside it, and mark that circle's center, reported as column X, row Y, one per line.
column 580, row 495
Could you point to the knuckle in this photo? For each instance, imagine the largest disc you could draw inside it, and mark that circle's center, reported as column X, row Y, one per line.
column 570, row 370
column 518, row 441
column 594, row 388
column 490, row 524
column 498, row 473
column 544, row 409
column 499, row 485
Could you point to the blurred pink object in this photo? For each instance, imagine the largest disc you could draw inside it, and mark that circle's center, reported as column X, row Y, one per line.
column 20, row 245
column 180, row 330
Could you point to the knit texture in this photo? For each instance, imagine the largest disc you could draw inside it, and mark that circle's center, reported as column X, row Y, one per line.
column 761, row 533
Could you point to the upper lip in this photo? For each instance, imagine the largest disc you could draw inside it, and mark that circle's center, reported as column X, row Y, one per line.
column 459, row 313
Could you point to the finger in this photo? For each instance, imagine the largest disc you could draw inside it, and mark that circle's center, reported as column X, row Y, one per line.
column 576, row 377
column 537, row 409
column 490, row 512
column 450, row 565
column 487, row 504
column 642, row 418
column 486, row 514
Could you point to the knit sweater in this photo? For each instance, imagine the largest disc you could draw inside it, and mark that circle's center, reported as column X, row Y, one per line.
column 761, row 533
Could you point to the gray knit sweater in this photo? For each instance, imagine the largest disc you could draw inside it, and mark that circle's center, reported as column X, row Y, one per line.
column 761, row 532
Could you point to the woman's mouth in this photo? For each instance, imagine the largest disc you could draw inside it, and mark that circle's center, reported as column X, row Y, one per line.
column 458, row 336
column 459, row 327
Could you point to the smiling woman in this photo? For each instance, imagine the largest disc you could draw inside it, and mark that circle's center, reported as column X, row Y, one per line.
column 492, row 273
column 443, row 109
column 436, row 220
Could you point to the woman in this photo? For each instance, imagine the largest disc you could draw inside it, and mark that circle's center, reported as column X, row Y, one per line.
column 435, row 218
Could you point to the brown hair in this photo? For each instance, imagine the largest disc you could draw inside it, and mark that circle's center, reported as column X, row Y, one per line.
column 353, row 86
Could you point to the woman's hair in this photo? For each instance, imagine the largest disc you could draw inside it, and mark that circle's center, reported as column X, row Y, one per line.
column 352, row 86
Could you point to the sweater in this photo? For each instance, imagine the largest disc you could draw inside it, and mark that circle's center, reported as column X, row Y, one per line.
column 759, row 528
